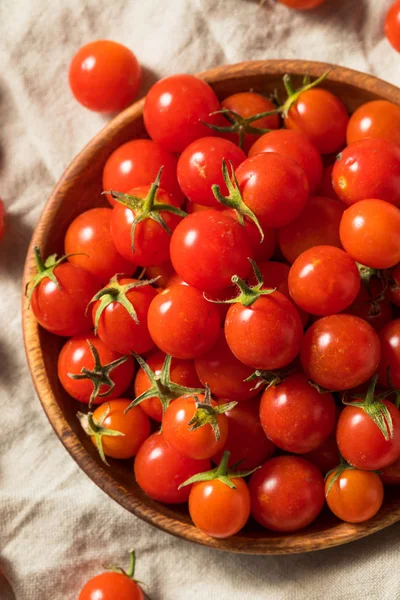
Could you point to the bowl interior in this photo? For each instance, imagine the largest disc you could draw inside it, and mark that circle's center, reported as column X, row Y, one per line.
column 80, row 189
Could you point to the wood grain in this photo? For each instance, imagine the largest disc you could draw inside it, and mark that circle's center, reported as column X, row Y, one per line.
column 79, row 189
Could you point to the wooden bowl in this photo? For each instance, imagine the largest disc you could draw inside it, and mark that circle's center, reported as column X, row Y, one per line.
column 78, row 190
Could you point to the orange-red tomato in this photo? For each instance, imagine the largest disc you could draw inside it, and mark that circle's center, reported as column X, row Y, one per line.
column 302, row 4
column 355, row 496
column 392, row 25
column 111, row 586
column 376, row 119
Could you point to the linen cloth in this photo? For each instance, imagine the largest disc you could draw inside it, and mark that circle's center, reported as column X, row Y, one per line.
column 57, row 528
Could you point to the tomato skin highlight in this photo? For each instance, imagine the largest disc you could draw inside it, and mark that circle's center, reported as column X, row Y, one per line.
column 355, row 496
column 217, row 510
column 378, row 119
column 160, row 470
column 104, row 76
column 390, row 346
column 136, row 164
column 111, row 586
column 340, row 352
column 295, row 416
column 368, row 169
column 392, row 25
column 174, row 108
column 287, row 493
column 266, row 335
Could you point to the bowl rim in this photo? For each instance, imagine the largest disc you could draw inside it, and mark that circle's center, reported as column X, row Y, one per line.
column 302, row 541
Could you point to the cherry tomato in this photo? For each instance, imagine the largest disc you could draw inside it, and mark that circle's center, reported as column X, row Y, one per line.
column 372, row 305
column 295, row 145
column 111, row 586
column 322, row 117
column 164, row 272
column 176, row 108
column 136, row 164
column 266, row 335
column 340, row 352
column 317, row 225
column 246, row 440
column 218, row 510
column 197, row 443
column 393, row 291
column 360, row 441
column 151, row 239
column 134, row 425
column 210, row 238
column 119, row 328
column 355, row 496
column 76, row 355
column 182, row 323
column 326, row 187
column 391, row 475
column 104, row 76
column 376, row 119
column 274, row 187
column 324, row 280
column 287, row 493
column 295, row 416
column 182, row 372
column 247, row 105
column 224, row 373
column 199, row 167
column 2, row 212
column 370, row 233
column 262, row 250
column 302, row 4
column 392, row 25
column 390, row 347
column 368, row 169
column 326, row 457
column 160, row 470
column 89, row 238
column 60, row 303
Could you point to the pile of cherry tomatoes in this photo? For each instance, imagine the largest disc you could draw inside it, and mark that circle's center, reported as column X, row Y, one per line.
column 232, row 314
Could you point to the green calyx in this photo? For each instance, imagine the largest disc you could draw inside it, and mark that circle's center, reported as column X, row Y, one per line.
column 268, row 378
column 235, row 200
column 99, row 375
column 147, row 208
column 115, row 292
column 248, row 294
column 206, row 413
column 45, row 269
column 366, row 276
column 240, row 125
column 131, row 570
column 294, row 94
column 223, row 473
column 94, row 428
column 373, row 406
column 337, row 471
column 161, row 385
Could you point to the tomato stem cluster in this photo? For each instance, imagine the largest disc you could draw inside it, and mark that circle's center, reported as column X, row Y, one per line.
column 222, row 472
column 206, row 413
column 95, row 429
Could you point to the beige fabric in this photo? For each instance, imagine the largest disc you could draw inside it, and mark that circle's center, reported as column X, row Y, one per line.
column 56, row 527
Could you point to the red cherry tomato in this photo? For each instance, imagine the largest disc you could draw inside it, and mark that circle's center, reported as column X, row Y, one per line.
column 104, row 76
column 160, row 470
column 392, row 25
column 317, row 225
column 134, row 425
column 246, row 105
column 355, row 496
column 274, row 187
column 210, row 238
column 310, row 273
column 370, row 233
column 200, row 167
column 61, row 307
column 390, row 347
column 89, row 238
column 198, row 443
column 182, row 372
column 287, row 493
column 266, row 335
column 372, row 305
column 110, row 586
column 376, row 119
column 224, row 373
column 326, row 457
column 360, row 441
column 302, row 4
column 116, row 327
column 393, row 291
column 175, row 108
column 151, row 240
column 182, row 323
column 326, row 187
column 76, row 355
column 2, row 212
column 295, row 145
column 391, row 475
column 262, row 250
column 368, row 169
column 218, row 510
column 164, row 272
column 340, row 352
column 136, row 164
column 246, row 440
column 295, row 416
column 322, row 117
